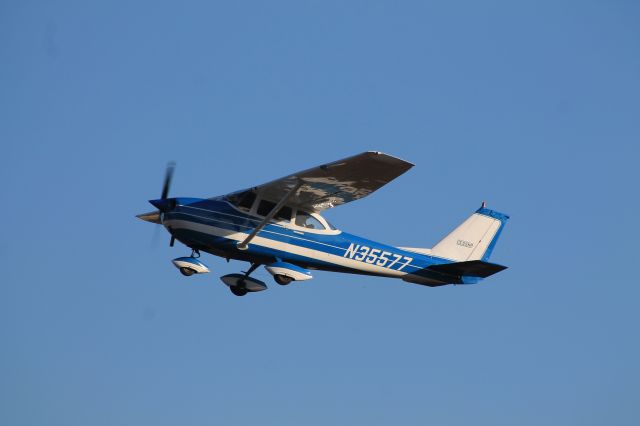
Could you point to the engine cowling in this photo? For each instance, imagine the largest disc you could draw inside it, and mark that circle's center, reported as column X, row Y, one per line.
column 290, row 270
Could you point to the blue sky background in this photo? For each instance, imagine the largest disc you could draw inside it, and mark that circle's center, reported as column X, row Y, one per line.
column 531, row 106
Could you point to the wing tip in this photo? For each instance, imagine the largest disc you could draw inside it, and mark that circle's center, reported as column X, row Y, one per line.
column 391, row 157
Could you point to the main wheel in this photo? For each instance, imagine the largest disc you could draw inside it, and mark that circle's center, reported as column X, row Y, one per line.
column 282, row 279
column 238, row 291
column 187, row 272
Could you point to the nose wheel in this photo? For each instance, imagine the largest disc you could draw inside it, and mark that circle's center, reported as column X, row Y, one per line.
column 190, row 265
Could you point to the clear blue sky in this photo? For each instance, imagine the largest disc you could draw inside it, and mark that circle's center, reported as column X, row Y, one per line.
column 531, row 106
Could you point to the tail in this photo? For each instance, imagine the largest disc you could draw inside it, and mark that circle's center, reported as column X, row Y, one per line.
column 474, row 239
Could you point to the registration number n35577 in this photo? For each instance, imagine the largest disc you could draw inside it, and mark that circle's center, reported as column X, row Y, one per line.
column 377, row 257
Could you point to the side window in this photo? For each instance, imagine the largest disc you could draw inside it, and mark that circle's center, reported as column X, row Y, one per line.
column 305, row 220
column 265, row 207
column 284, row 214
column 246, row 201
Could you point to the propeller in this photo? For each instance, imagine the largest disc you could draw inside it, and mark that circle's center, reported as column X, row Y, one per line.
column 164, row 204
column 161, row 204
column 168, row 176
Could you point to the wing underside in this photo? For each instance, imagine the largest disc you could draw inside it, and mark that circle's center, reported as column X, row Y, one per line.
column 336, row 183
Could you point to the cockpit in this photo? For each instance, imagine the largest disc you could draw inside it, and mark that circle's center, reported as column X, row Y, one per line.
column 289, row 216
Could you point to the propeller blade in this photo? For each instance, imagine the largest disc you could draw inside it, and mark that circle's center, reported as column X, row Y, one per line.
column 167, row 179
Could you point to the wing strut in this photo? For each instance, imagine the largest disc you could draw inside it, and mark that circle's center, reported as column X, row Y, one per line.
column 244, row 244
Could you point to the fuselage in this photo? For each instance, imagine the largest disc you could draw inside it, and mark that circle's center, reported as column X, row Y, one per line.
column 216, row 226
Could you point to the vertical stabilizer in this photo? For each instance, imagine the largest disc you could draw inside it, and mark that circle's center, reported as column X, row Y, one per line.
column 474, row 239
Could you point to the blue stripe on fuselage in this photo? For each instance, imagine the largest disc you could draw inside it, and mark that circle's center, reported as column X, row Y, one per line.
column 220, row 214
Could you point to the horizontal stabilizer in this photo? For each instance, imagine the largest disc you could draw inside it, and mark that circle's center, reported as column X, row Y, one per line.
column 472, row 268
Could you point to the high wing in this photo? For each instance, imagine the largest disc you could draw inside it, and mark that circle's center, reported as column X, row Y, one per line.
column 336, row 183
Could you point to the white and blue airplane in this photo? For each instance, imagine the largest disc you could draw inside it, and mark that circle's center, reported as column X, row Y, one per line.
column 278, row 225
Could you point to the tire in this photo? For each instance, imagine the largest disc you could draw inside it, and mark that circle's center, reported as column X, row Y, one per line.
column 238, row 291
column 187, row 272
column 282, row 279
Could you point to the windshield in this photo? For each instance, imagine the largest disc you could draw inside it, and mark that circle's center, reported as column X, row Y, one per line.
column 333, row 228
column 305, row 220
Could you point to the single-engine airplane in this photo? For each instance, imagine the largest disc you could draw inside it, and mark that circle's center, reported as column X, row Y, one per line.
column 278, row 225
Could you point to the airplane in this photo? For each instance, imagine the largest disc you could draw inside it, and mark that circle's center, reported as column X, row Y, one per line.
column 278, row 225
